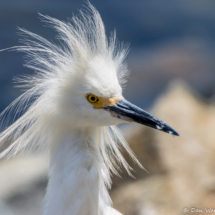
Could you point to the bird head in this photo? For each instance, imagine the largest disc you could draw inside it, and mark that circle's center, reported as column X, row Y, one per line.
column 94, row 97
column 83, row 80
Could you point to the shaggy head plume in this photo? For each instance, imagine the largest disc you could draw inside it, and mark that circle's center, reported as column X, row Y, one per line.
column 54, row 101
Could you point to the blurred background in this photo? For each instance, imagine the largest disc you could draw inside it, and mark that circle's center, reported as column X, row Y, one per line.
column 172, row 63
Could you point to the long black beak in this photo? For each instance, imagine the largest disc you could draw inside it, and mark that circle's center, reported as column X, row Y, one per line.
column 129, row 112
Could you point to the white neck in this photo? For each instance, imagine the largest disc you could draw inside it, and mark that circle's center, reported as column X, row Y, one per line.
column 77, row 177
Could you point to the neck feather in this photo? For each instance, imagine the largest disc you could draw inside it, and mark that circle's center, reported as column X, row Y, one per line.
column 77, row 176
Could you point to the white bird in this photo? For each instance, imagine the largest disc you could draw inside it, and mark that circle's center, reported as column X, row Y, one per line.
column 72, row 103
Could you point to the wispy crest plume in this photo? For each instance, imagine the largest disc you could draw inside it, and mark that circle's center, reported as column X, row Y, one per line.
column 80, row 38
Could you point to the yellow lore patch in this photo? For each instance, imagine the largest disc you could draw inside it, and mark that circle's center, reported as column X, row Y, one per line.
column 100, row 102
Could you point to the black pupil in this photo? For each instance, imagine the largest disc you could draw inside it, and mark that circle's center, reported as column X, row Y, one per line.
column 93, row 98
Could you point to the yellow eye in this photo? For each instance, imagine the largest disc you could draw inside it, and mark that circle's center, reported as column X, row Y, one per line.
column 92, row 98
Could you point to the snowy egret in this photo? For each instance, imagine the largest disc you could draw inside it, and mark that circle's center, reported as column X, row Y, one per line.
column 73, row 102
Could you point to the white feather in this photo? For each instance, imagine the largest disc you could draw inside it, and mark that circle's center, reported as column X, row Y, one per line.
column 58, row 118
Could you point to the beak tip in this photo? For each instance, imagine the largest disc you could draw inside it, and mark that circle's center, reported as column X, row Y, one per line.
column 174, row 133
column 178, row 135
column 169, row 130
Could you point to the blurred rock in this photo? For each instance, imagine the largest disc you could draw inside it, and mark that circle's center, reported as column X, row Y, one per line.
column 190, row 159
column 22, row 185
column 151, row 196
column 143, row 144
column 187, row 178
